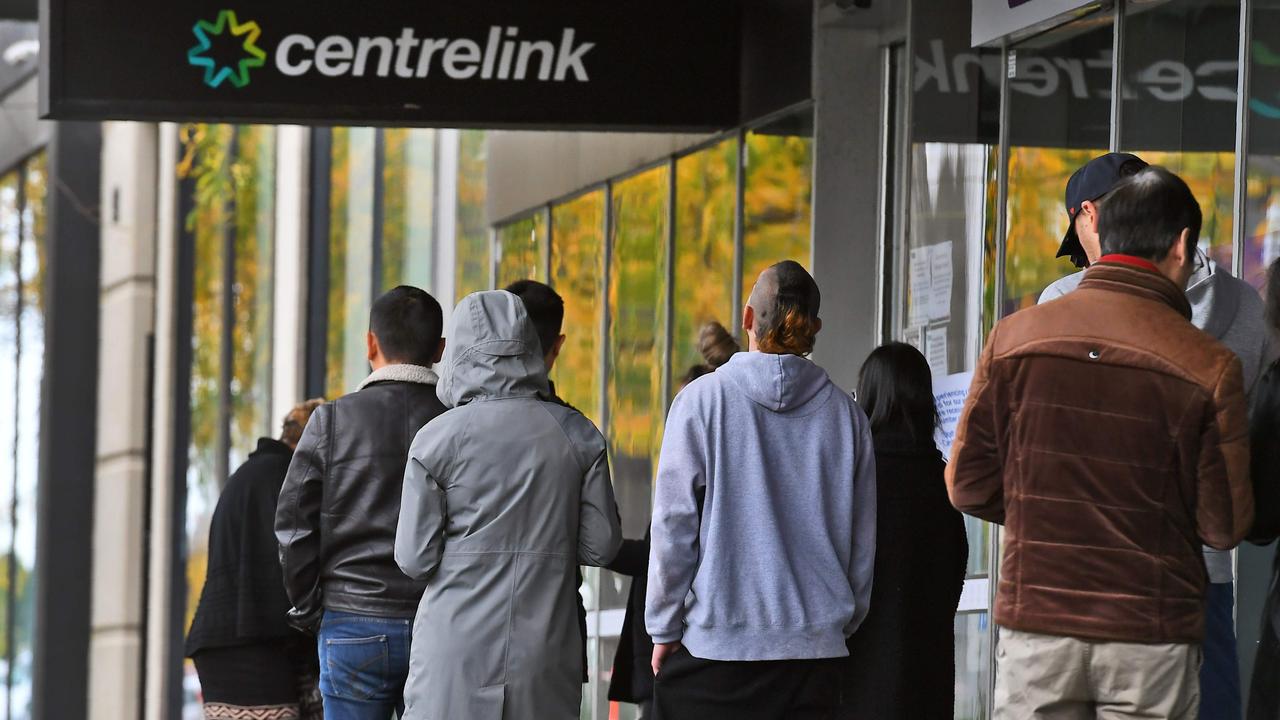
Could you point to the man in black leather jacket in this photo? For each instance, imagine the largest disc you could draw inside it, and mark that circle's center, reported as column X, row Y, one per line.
column 338, row 509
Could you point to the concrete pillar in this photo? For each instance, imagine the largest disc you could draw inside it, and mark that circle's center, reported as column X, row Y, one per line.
column 847, row 189
column 126, row 319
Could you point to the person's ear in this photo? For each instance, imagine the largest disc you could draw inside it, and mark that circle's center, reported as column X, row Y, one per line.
column 748, row 319
column 1179, row 250
column 550, row 358
column 439, row 352
column 1091, row 215
column 817, row 322
column 373, row 350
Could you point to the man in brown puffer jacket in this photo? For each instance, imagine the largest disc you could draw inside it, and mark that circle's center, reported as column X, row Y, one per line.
column 1108, row 435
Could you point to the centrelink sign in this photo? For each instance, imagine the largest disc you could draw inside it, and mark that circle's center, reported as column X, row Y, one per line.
column 494, row 63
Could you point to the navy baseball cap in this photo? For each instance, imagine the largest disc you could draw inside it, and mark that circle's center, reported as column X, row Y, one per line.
column 1095, row 179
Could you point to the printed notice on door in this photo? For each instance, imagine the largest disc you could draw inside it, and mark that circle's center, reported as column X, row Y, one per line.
column 949, row 393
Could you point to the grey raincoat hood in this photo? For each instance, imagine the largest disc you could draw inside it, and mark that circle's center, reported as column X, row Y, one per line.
column 504, row 496
column 492, row 352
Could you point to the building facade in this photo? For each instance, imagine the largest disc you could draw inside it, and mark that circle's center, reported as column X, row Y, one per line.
column 169, row 290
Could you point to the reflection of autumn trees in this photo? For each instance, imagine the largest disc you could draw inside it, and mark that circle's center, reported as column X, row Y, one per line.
column 350, row 257
column 1037, row 220
column 1037, row 217
column 521, row 244
column 408, row 207
column 23, row 226
column 637, row 325
column 777, row 210
column 472, row 233
column 706, row 187
column 1262, row 217
column 230, row 173
column 207, row 163
column 577, row 273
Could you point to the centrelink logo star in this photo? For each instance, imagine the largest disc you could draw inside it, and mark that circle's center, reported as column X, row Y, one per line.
column 238, row 73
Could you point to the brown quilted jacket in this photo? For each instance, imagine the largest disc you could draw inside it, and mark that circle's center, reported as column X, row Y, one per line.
column 1109, row 436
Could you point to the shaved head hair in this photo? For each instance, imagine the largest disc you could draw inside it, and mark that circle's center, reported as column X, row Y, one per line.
column 785, row 301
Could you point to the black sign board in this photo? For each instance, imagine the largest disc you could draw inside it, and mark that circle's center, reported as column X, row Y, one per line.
column 658, row 64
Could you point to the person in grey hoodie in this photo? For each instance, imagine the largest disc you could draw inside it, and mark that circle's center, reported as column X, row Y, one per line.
column 764, row 525
column 1230, row 310
column 504, row 496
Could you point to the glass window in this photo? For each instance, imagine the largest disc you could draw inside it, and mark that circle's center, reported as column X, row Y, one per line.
column 228, row 175
column 637, row 335
column 577, row 273
column 706, row 190
column 522, row 247
column 253, row 215
column 408, row 207
column 10, row 361
column 1179, row 107
column 946, row 264
column 973, row 666
column 1059, row 119
column 350, row 257
column 473, row 261
column 1262, row 199
column 31, row 270
column 777, row 196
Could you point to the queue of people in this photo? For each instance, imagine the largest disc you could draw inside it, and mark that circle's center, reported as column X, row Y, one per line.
column 807, row 551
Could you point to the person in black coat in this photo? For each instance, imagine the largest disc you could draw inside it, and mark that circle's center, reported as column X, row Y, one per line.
column 246, row 655
column 902, row 658
column 1264, row 463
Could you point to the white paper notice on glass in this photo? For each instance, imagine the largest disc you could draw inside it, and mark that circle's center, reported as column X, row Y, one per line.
column 949, row 394
column 921, row 289
column 940, row 278
column 935, row 344
column 914, row 336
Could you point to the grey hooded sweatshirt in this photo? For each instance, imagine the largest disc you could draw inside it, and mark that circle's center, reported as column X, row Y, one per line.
column 504, row 495
column 1230, row 310
column 764, row 518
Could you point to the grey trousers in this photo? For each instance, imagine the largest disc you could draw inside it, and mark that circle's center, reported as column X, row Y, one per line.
column 1047, row 677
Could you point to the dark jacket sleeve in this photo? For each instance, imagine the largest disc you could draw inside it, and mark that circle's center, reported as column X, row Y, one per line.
column 632, row 559
column 975, row 475
column 1224, row 496
column 1264, row 461
column 298, row 521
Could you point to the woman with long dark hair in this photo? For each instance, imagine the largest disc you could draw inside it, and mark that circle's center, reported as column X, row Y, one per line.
column 902, row 658
column 1264, row 444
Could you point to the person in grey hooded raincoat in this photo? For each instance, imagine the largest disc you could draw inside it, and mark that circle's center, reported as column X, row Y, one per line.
column 504, row 495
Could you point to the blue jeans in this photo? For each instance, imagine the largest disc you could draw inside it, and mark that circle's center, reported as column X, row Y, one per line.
column 1220, row 673
column 364, row 662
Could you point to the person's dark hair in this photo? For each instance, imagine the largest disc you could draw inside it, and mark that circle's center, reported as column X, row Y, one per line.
column 407, row 322
column 716, row 344
column 1146, row 212
column 1272, row 296
column 545, row 308
column 895, row 390
column 695, row 372
column 786, row 302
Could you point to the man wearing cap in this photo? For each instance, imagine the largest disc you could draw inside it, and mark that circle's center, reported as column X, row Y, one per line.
column 1228, row 309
